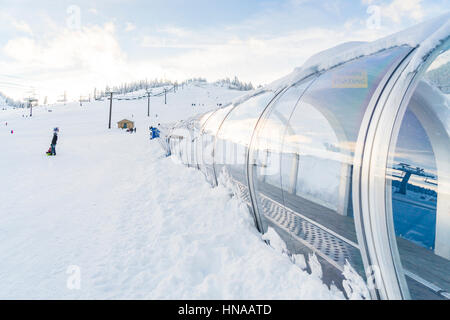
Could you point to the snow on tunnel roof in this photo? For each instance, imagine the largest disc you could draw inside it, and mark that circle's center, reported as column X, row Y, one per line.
column 425, row 36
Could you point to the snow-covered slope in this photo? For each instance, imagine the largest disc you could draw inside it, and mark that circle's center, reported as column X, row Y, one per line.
column 132, row 222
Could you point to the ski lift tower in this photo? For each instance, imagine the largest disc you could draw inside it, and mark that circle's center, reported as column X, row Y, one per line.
column 110, row 93
column 149, row 93
column 63, row 98
column 408, row 171
column 30, row 102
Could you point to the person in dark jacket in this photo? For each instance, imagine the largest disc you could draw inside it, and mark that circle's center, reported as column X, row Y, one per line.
column 54, row 141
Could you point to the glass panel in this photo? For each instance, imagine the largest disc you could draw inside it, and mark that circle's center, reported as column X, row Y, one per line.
column 198, row 137
column 318, row 151
column 266, row 156
column 209, row 134
column 189, row 140
column 204, row 118
column 181, row 139
column 418, row 176
column 266, row 159
column 193, row 133
column 234, row 136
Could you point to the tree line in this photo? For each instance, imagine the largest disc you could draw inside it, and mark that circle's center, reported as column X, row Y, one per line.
column 146, row 84
column 11, row 102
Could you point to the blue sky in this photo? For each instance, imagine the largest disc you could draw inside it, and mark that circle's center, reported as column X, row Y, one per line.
column 52, row 46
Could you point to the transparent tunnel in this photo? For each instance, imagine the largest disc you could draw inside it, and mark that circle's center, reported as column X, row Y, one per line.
column 351, row 163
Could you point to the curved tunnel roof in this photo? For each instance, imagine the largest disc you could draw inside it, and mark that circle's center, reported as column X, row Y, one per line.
column 425, row 36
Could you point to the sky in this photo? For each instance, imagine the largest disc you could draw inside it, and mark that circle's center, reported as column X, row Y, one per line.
column 49, row 47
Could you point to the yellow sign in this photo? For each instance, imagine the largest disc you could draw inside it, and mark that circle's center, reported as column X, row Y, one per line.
column 352, row 79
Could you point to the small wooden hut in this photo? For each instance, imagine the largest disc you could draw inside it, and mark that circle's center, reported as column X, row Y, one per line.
column 125, row 124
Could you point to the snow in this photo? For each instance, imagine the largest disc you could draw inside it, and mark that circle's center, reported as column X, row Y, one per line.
column 354, row 285
column 275, row 241
column 430, row 43
column 130, row 222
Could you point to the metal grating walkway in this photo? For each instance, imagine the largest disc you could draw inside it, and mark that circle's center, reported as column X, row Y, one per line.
column 328, row 245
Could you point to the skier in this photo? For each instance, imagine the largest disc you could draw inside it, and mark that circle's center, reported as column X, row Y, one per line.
column 54, row 140
column 154, row 132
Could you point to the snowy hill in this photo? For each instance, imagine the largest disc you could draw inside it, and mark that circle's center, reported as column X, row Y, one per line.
column 130, row 222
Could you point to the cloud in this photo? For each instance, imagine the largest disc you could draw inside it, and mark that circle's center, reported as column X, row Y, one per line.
column 16, row 24
column 22, row 26
column 259, row 48
column 399, row 9
column 77, row 61
column 257, row 58
column 71, row 60
column 176, row 31
column 88, row 47
column 129, row 27
column 175, row 37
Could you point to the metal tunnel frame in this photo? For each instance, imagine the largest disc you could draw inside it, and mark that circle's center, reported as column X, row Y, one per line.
column 382, row 250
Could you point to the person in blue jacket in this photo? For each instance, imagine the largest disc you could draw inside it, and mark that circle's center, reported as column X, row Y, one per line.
column 154, row 133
